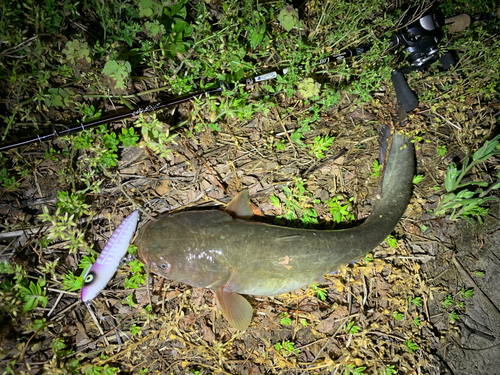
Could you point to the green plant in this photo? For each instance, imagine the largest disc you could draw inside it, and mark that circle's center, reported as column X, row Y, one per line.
column 321, row 293
column 128, row 137
column 388, row 370
column 65, row 228
column 376, row 169
column 321, row 144
column 309, row 89
column 58, row 347
column 73, row 204
column 288, row 17
column 391, row 241
column 287, row 348
column 101, row 370
column 59, row 97
column 33, row 294
column 479, row 273
column 353, row 370
column 341, row 212
column 134, row 329
column 448, row 301
column 137, row 278
column 89, row 114
column 351, row 328
column 155, row 135
column 72, row 282
column 410, row 345
column 285, row 319
column 132, row 250
column 466, row 293
column 417, row 301
column 462, row 202
column 441, row 150
column 77, row 51
column 453, row 316
column 398, row 315
column 416, row 179
column 117, row 72
column 296, row 204
column 8, row 182
column 129, row 300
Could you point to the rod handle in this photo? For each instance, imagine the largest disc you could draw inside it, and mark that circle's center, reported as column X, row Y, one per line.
column 405, row 96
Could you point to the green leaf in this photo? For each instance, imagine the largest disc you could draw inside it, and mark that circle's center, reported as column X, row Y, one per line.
column 128, row 137
column 451, row 177
column 118, row 71
column 416, row 179
column 487, row 150
column 257, row 35
column 309, row 88
column 411, row 346
column 376, row 169
column 288, row 17
column 391, row 241
column 76, row 51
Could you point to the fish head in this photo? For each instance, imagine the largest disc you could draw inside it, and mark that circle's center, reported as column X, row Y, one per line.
column 194, row 268
column 172, row 251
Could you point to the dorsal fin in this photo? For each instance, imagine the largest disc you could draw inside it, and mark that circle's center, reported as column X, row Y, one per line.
column 239, row 207
column 235, row 308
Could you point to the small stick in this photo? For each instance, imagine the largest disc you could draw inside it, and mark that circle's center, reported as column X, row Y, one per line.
column 55, row 304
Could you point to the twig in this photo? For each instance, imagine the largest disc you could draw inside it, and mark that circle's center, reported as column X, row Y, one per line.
column 96, row 322
column 55, row 304
column 448, row 121
column 284, row 128
column 67, row 308
column 327, row 342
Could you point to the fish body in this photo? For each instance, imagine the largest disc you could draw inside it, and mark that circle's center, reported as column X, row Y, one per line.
column 211, row 249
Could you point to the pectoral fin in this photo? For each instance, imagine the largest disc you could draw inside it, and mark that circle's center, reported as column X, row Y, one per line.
column 235, row 308
column 240, row 207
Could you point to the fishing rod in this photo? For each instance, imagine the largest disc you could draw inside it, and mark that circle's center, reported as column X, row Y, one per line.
column 171, row 102
column 419, row 38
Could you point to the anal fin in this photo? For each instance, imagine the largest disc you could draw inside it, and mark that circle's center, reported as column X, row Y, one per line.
column 235, row 308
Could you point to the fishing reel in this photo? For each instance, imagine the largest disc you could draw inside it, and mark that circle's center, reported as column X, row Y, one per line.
column 419, row 40
column 420, row 36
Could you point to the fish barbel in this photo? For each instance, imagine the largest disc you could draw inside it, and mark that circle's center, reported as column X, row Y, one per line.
column 211, row 249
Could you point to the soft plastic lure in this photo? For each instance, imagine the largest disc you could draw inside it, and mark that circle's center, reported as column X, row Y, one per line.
column 108, row 261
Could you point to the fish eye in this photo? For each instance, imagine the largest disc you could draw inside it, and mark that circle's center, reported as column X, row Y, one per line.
column 165, row 266
column 89, row 278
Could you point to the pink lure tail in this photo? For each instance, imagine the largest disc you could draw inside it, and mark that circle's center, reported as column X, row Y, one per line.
column 108, row 261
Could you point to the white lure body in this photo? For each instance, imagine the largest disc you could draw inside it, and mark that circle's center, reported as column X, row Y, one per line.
column 108, row 261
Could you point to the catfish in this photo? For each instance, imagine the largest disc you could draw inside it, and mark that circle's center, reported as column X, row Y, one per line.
column 222, row 251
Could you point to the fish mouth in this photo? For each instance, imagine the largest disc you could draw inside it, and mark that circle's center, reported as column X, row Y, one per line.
column 141, row 256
